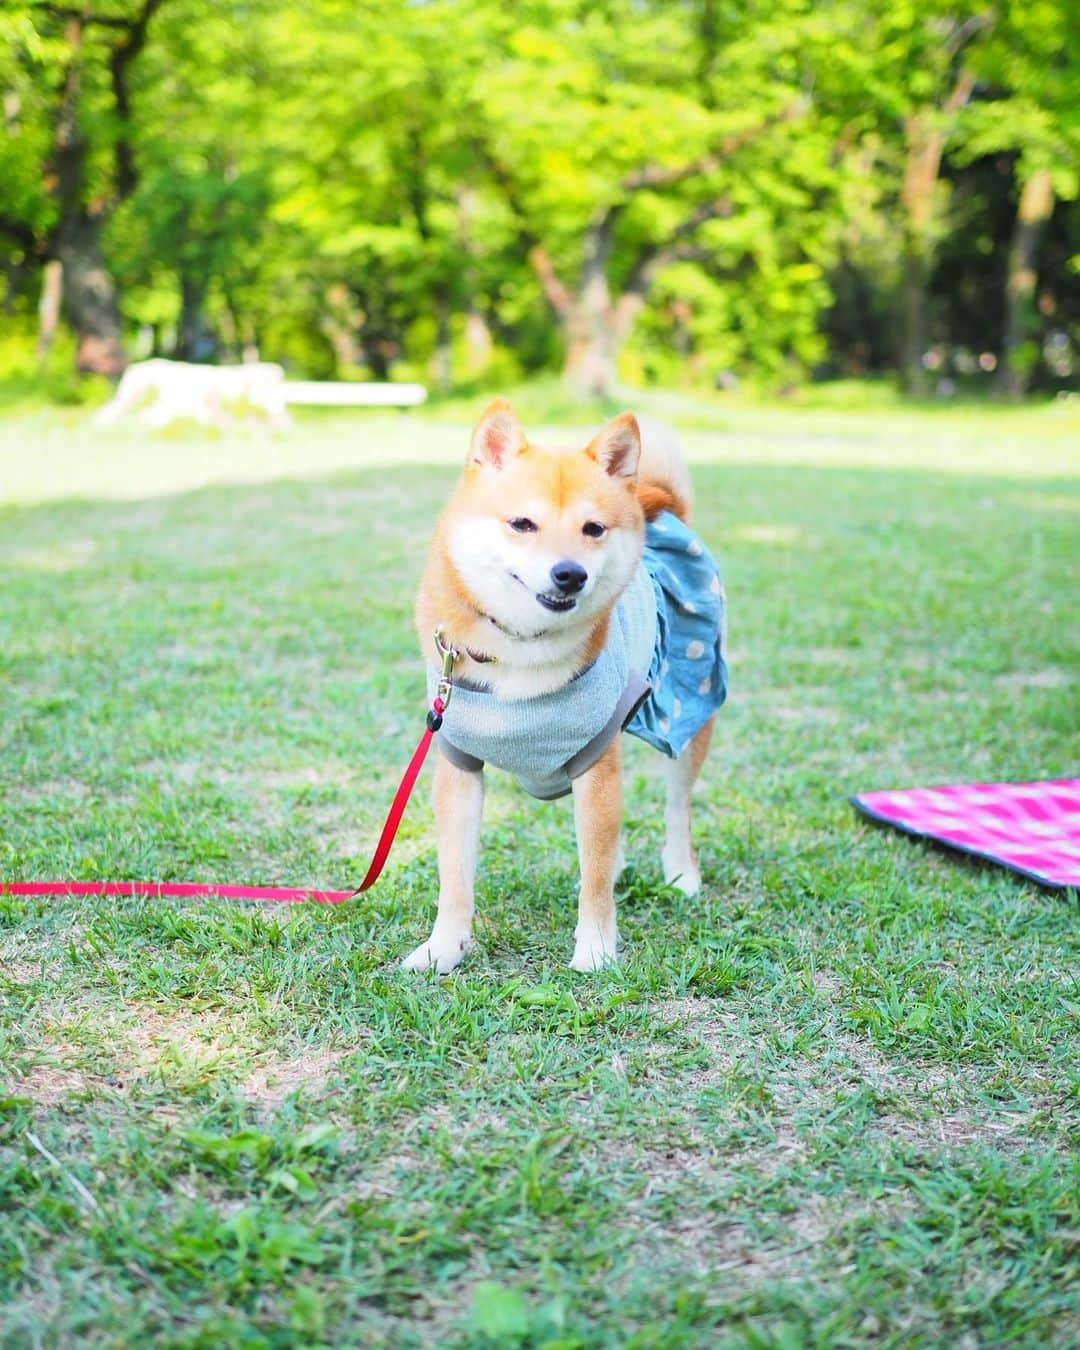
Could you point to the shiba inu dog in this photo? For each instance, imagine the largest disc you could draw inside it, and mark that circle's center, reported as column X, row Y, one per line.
column 577, row 603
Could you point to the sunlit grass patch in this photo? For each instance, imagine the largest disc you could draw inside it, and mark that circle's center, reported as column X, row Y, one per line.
column 832, row 1101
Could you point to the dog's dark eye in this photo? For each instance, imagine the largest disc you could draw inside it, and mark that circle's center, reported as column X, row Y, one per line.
column 593, row 529
column 522, row 525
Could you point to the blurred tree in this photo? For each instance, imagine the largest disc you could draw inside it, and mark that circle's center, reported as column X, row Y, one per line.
column 944, row 84
column 368, row 138
column 694, row 189
column 195, row 241
column 910, row 66
column 1029, row 72
column 617, row 134
column 940, row 86
column 69, row 79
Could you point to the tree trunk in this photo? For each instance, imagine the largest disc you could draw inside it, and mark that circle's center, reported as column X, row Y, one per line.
column 194, row 339
column 376, row 354
column 926, row 133
column 591, row 348
column 589, row 368
column 478, row 342
column 52, row 291
column 924, row 150
column 89, row 294
column 89, row 300
column 598, row 327
column 229, row 345
column 1020, row 353
column 340, row 319
column 444, row 362
column 595, row 325
column 914, row 336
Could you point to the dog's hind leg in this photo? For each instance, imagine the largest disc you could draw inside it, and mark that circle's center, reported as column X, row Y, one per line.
column 620, row 856
column 680, row 864
column 459, row 805
column 598, row 820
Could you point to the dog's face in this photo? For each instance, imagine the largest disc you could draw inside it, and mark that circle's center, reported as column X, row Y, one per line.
column 545, row 539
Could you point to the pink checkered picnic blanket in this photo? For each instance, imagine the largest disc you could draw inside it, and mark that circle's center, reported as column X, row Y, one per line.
column 1032, row 828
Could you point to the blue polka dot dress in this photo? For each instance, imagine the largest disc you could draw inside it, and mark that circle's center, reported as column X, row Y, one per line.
column 688, row 674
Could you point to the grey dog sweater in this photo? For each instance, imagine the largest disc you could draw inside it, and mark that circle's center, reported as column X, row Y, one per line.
column 661, row 675
column 546, row 742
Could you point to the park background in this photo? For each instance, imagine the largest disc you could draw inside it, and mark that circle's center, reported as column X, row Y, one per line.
column 831, row 1102
column 700, row 194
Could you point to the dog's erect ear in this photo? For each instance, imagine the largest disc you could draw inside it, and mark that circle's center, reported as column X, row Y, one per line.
column 618, row 446
column 498, row 436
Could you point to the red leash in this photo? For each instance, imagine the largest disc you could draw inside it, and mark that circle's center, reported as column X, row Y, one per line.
column 401, row 796
column 157, row 890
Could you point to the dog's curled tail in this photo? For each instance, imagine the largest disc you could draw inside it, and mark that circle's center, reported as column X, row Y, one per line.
column 663, row 477
column 657, row 497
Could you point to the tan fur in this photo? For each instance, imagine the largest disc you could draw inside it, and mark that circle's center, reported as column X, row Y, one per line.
column 680, row 861
column 663, row 466
column 598, row 821
column 459, row 802
column 554, row 481
column 657, row 497
column 482, row 586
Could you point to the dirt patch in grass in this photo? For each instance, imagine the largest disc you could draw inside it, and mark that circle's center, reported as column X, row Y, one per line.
column 273, row 1081
column 704, row 1238
column 50, row 1085
column 30, row 955
column 65, row 556
column 131, row 1042
column 771, row 532
column 124, row 1044
column 784, row 705
column 188, row 1033
column 1052, row 677
column 831, row 656
column 925, row 1105
column 27, row 972
column 49, row 788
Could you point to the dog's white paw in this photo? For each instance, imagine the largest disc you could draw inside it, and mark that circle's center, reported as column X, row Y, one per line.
column 681, row 871
column 593, row 949
column 438, row 953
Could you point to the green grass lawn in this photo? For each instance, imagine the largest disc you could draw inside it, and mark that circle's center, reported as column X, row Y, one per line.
column 831, row 1102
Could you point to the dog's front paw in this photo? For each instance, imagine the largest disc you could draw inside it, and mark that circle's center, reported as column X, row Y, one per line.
column 594, row 948
column 438, row 953
column 681, row 871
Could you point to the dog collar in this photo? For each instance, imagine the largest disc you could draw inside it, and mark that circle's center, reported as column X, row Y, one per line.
column 518, row 637
column 442, row 646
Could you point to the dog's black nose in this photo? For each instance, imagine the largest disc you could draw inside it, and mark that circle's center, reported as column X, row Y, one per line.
column 569, row 577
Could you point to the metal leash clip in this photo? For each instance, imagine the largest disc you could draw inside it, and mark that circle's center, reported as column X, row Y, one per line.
column 445, row 686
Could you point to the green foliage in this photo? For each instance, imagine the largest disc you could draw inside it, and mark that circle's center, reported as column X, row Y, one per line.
column 339, row 185
column 26, row 380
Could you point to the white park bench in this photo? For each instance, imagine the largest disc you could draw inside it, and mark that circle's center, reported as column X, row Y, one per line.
column 335, row 394
column 161, row 391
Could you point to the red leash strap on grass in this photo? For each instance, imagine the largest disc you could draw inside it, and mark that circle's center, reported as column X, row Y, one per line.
column 398, row 805
column 158, row 890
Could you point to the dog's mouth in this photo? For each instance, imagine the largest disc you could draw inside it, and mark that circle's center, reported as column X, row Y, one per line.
column 551, row 600
column 558, row 604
